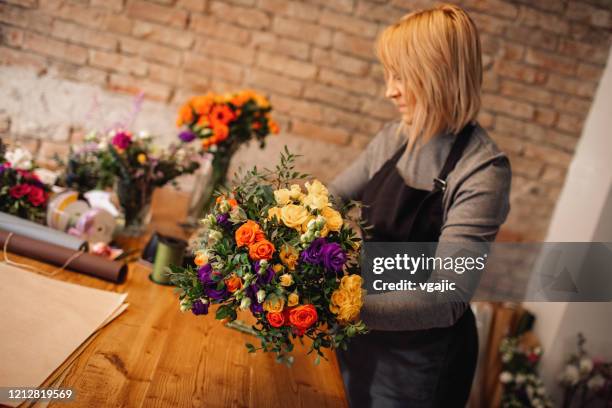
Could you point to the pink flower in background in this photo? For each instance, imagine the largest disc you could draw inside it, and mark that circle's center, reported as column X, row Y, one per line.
column 20, row 190
column 122, row 140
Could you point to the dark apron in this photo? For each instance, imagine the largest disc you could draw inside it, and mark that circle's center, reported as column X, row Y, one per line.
column 416, row 368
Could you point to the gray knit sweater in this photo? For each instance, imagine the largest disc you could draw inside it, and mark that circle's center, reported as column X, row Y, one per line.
column 475, row 204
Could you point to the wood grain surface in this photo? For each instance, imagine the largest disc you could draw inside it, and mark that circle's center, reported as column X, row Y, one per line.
column 155, row 356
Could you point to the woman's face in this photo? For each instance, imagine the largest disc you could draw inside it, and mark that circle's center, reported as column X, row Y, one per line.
column 396, row 91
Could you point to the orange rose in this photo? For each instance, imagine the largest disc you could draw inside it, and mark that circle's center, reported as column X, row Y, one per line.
column 248, row 233
column 276, row 319
column 233, row 283
column 262, row 249
column 302, row 317
column 231, row 201
column 221, row 131
column 185, row 116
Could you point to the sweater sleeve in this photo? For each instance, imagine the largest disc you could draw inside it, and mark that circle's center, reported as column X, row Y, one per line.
column 480, row 206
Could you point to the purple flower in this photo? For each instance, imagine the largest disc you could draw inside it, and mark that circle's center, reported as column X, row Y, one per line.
column 199, row 308
column 187, row 136
column 122, row 140
column 210, row 290
column 1, row 168
column 204, row 274
column 256, row 307
column 313, row 254
column 266, row 276
column 333, row 256
column 251, row 292
column 223, row 220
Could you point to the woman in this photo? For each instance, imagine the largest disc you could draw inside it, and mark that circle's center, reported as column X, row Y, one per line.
column 433, row 176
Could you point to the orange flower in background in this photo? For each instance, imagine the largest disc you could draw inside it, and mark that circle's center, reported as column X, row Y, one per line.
column 248, row 233
column 185, row 115
column 233, row 283
column 220, row 132
column 262, row 249
column 203, row 121
column 202, row 104
column 231, row 201
column 221, row 113
column 273, row 127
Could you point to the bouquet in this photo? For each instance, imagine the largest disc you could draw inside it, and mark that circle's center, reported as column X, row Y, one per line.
column 22, row 192
column 222, row 123
column 283, row 253
column 131, row 163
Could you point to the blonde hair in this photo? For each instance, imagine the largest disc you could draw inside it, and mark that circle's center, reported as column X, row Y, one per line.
column 436, row 53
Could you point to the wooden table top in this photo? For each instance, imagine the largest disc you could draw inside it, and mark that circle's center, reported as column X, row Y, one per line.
column 154, row 355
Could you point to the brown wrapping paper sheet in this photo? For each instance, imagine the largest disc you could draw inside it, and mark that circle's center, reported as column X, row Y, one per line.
column 93, row 265
column 44, row 321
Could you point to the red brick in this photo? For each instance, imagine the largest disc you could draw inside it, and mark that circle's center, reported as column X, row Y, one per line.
column 364, row 86
column 135, row 86
column 77, row 73
column 487, row 23
column 508, row 143
column 325, row 133
column 274, row 82
column 157, row 13
column 354, row 45
column 383, row 13
column 23, row 3
column 9, row 56
column 223, row 50
column 117, row 62
column 242, row 16
column 79, row 13
column 571, row 104
column 554, row 175
column 113, row 5
column 163, row 73
column 47, row 46
column 571, row 86
column 81, row 35
column 333, row 97
column 33, row 20
column 528, row 168
column 593, row 53
column 118, row 24
column 340, row 62
column 551, row 62
column 549, row 155
column 589, row 72
column 286, row 66
column 510, row 107
column 570, row 123
column 352, row 121
column 380, row 109
column 544, row 116
column 351, row 25
column 590, row 15
column 360, row 141
column 150, row 51
column 546, row 21
column 495, row 7
column 213, row 67
column 12, row 37
column 163, row 35
column 195, row 82
column 192, row 5
column 563, row 140
column 211, row 26
column 525, row 92
column 301, row 30
column 273, row 43
column 510, row 51
column 521, row 72
column 490, row 81
column 345, row 6
column 533, row 37
column 298, row 108
column 297, row 9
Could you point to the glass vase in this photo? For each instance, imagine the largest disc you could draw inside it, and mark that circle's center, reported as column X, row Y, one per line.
column 135, row 197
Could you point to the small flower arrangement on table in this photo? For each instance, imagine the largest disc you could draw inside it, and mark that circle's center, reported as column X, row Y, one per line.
column 22, row 192
column 133, row 165
column 283, row 253
column 221, row 124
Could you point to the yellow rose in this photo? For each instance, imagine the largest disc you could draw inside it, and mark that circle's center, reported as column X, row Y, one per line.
column 274, row 212
column 306, row 221
column 351, row 283
column 282, row 196
column 293, row 299
column 333, row 219
column 348, row 312
column 316, row 201
column 289, row 256
column 294, row 215
column 277, row 268
column 286, row 279
column 274, row 303
column 295, row 192
column 340, row 297
column 316, row 188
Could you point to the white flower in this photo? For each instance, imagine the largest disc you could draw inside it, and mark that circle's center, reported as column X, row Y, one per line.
column 261, row 296
column 570, row 375
column 48, row 177
column 263, row 264
column 245, row 303
column 505, row 377
column 520, row 378
column 596, row 382
column 19, row 158
column 185, row 305
column 586, row 365
column 506, row 357
column 144, row 135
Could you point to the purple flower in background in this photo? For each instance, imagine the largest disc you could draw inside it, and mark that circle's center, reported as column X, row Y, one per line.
column 199, row 308
column 256, row 307
column 215, row 294
column 333, row 256
column 187, row 136
column 313, row 254
column 204, row 273
column 1, row 168
column 122, row 140
column 223, row 220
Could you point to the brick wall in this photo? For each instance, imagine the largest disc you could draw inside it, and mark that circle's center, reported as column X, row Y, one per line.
column 542, row 60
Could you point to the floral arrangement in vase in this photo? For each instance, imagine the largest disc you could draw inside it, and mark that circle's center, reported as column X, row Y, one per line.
column 22, row 191
column 221, row 123
column 133, row 165
column 284, row 253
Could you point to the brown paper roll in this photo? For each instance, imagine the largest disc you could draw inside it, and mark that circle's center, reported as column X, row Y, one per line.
column 88, row 264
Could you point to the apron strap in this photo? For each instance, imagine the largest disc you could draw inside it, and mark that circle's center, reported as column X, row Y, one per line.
column 461, row 141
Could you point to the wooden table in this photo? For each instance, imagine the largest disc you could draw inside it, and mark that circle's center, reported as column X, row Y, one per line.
column 154, row 355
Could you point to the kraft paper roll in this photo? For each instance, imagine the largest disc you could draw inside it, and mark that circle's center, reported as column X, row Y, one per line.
column 88, row 264
column 39, row 232
column 170, row 251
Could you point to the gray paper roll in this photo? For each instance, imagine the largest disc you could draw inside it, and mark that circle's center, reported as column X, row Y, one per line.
column 30, row 229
